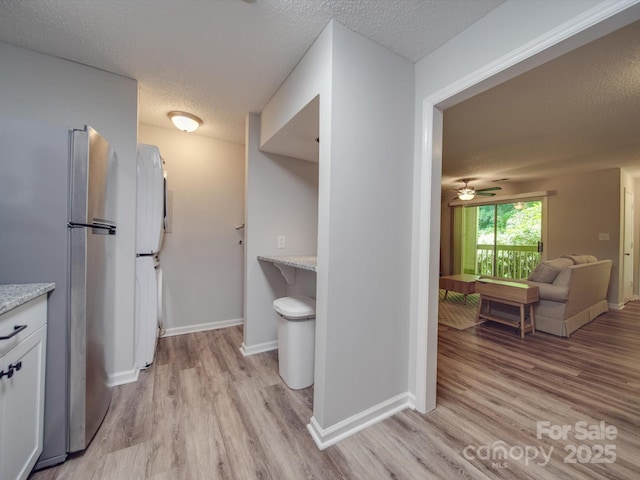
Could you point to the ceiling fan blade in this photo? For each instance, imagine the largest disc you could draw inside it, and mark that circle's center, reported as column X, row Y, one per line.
column 485, row 194
column 489, row 189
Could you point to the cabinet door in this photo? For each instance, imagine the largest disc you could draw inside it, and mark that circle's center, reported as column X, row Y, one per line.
column 22, row 407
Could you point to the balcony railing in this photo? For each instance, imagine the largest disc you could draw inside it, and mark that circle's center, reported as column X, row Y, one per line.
column 510, row 261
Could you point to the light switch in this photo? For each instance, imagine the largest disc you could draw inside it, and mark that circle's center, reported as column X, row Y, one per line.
column 603, row 236
column 281, row 241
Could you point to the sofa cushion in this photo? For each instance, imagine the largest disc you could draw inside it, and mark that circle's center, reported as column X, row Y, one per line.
column 547, row 271
column 564, row 277
column 579, row 258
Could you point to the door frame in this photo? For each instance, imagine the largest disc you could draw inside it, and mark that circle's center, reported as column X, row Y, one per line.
column 427, row 201
column 627, row 259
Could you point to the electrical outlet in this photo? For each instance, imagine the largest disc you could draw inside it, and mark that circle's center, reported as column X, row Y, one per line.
column 281, row 241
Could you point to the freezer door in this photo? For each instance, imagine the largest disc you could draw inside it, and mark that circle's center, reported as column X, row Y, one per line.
column 93, row 188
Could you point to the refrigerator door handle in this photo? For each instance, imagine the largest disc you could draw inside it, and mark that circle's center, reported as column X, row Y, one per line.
column 101, row 229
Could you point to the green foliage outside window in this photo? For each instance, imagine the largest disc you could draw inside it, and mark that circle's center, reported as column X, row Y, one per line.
column 507, row 239
column 514, row 226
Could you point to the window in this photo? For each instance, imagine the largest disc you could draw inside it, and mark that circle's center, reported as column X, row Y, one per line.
column 498, row 239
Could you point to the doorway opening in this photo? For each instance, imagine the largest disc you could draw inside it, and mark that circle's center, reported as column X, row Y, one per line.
column 426, row 247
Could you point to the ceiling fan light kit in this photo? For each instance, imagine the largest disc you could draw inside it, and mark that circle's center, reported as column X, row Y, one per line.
column 468, row 193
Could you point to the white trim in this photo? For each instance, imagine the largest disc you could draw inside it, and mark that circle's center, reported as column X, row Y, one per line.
column 411, row 398
column 425, row 398
column 621, row 306
column 325, row 437
column 259, row 348
column 551, row 38
column 202, row 327
column 122, row 378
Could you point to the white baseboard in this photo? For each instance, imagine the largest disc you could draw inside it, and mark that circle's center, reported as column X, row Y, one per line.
column 122, row 378
column 202, row 327
column 328, row 436
column 411, row 399
column 259, row 348
column 621, row 306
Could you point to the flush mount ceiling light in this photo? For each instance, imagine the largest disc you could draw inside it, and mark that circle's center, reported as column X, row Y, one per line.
column 185, row 121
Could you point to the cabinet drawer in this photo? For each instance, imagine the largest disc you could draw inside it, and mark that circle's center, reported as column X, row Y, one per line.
column 32, row 315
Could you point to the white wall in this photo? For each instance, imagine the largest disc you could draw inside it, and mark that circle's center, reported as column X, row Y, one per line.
column 201, row 258
column 369, row 232
column 509, row 40
column 43, row 88
column 364, row 225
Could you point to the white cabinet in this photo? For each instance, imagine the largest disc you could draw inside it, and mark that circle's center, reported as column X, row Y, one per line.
column 22, row 367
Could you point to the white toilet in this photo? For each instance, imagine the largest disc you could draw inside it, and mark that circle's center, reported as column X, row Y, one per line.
column 296, row 340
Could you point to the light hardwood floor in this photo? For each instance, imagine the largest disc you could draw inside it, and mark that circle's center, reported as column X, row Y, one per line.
column 203, row 411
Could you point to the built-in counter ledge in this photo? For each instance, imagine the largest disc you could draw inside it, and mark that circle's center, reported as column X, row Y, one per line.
column 303, row 262
column 287, row 264
column 12, row 296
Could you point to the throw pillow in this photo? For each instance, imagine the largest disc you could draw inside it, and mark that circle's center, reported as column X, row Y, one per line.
column 547, row 271
column 579, row 258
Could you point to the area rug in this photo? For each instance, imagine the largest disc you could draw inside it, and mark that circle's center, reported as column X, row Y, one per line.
column 454, row 313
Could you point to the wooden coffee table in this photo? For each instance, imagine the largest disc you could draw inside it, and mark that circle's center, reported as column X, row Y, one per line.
column 517, row 294
column 463, row 283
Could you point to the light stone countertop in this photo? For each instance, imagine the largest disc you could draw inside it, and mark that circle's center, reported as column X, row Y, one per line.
column 303, row 262
column 12, row 296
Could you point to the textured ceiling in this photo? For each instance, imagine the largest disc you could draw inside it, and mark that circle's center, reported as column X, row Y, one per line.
column 579, row 112
column 220, row 59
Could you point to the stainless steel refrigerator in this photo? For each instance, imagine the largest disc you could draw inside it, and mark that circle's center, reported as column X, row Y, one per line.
column 57, row 212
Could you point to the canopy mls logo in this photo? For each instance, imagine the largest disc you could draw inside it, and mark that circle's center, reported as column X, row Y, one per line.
column 499, row 453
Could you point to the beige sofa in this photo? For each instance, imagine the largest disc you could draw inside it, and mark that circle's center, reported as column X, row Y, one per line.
column 573, row 291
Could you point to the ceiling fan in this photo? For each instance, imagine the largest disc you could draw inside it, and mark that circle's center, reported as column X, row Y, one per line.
column 467, row 192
